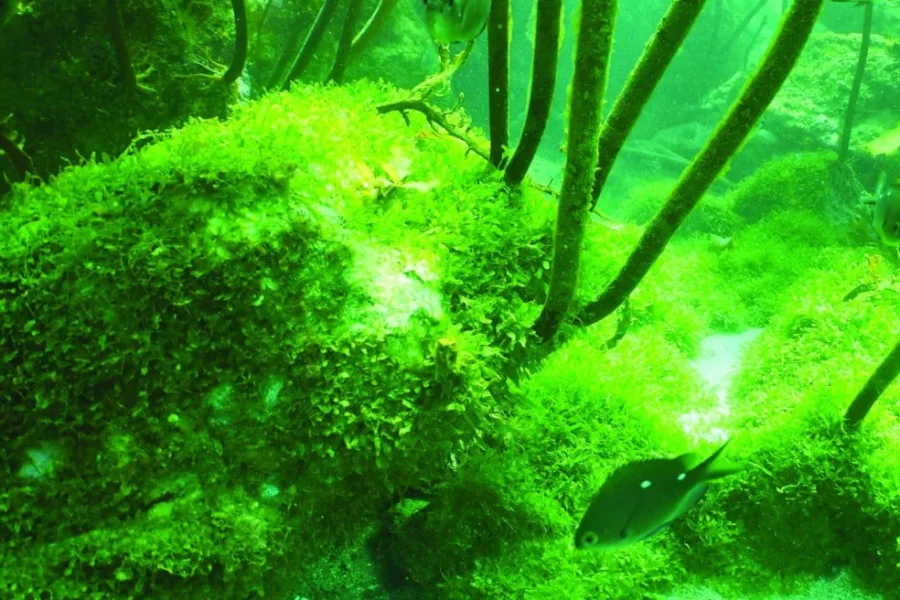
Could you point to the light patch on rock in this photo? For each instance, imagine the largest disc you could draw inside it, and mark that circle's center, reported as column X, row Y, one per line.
column 398, row 283
column 42, row 460
column 718, row 363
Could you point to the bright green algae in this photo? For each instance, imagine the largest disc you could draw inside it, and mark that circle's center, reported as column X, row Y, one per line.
column 280, row 354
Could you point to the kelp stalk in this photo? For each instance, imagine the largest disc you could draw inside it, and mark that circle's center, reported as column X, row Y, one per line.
column 780, row 58
column 311, row 44
column 757, row 33
column 879, row 381
column 498, row 77
column 342, row 58
column 592, row 53
column 262, row 21
column 745, row 22
column 241, row 42
column 543, row 82
column 18, row 157
column 850, row 113
column 374, row 25
column 287, row 57
column 120, row 45
column 656, row 58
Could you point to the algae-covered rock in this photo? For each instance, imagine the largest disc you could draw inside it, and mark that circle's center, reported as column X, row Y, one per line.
column 807, row 113
column 803, row 468
column 847, row 17
column 714, row 214
column 296, row 311
column 799, row 181
column 503, row 525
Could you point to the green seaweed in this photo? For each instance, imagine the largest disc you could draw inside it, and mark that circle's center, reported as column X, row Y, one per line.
column 232, row 331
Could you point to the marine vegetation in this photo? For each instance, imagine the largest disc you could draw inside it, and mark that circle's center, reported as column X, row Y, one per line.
column 287, row 312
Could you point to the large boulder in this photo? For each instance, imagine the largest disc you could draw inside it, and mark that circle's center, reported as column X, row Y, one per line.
column 233, row 347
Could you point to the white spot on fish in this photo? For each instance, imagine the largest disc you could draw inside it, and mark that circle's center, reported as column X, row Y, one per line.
column 645, row 484
column 682, row 476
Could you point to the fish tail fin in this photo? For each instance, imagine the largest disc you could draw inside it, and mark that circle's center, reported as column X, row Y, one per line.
column 719, row 471
column 707, row 470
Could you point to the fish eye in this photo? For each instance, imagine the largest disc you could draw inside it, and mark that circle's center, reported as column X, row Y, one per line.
column 589, row 539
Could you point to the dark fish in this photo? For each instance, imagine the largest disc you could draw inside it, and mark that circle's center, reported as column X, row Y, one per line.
column 642, row 498
column 886, row 214
column 451, row 21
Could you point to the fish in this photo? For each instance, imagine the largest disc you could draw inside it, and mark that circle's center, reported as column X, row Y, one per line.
column 641, row 498
column 451, row 21
column 886, row 212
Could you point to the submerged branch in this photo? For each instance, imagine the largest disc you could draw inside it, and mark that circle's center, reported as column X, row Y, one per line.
column 653, row 63
column 879, row 381
column 543, row 82
column 625, row 320
column 731, row 132
column 239, row 60
column 592, row 54
column 450, row 67
column 18, row 157
column 311, row 44
column 850, row 113
column 342, row 58
column 435, row 116
column 745, row 22
column 498, row 78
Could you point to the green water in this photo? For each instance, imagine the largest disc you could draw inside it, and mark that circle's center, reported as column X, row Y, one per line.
column 276, row 323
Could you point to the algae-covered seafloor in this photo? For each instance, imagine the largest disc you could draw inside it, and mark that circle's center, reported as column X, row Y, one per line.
column 328, row 345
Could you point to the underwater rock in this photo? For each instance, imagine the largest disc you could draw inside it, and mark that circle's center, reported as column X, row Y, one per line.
column 62, row 86
column 846, row 17
column 219, row 305
column 807, row 114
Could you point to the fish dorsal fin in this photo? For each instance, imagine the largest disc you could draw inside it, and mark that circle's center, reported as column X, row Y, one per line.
column 689, row 460
column 639, row 469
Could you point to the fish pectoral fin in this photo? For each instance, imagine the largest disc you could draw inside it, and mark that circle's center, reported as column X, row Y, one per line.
column 691, row 499
column 623, row 533
column 656, row 530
